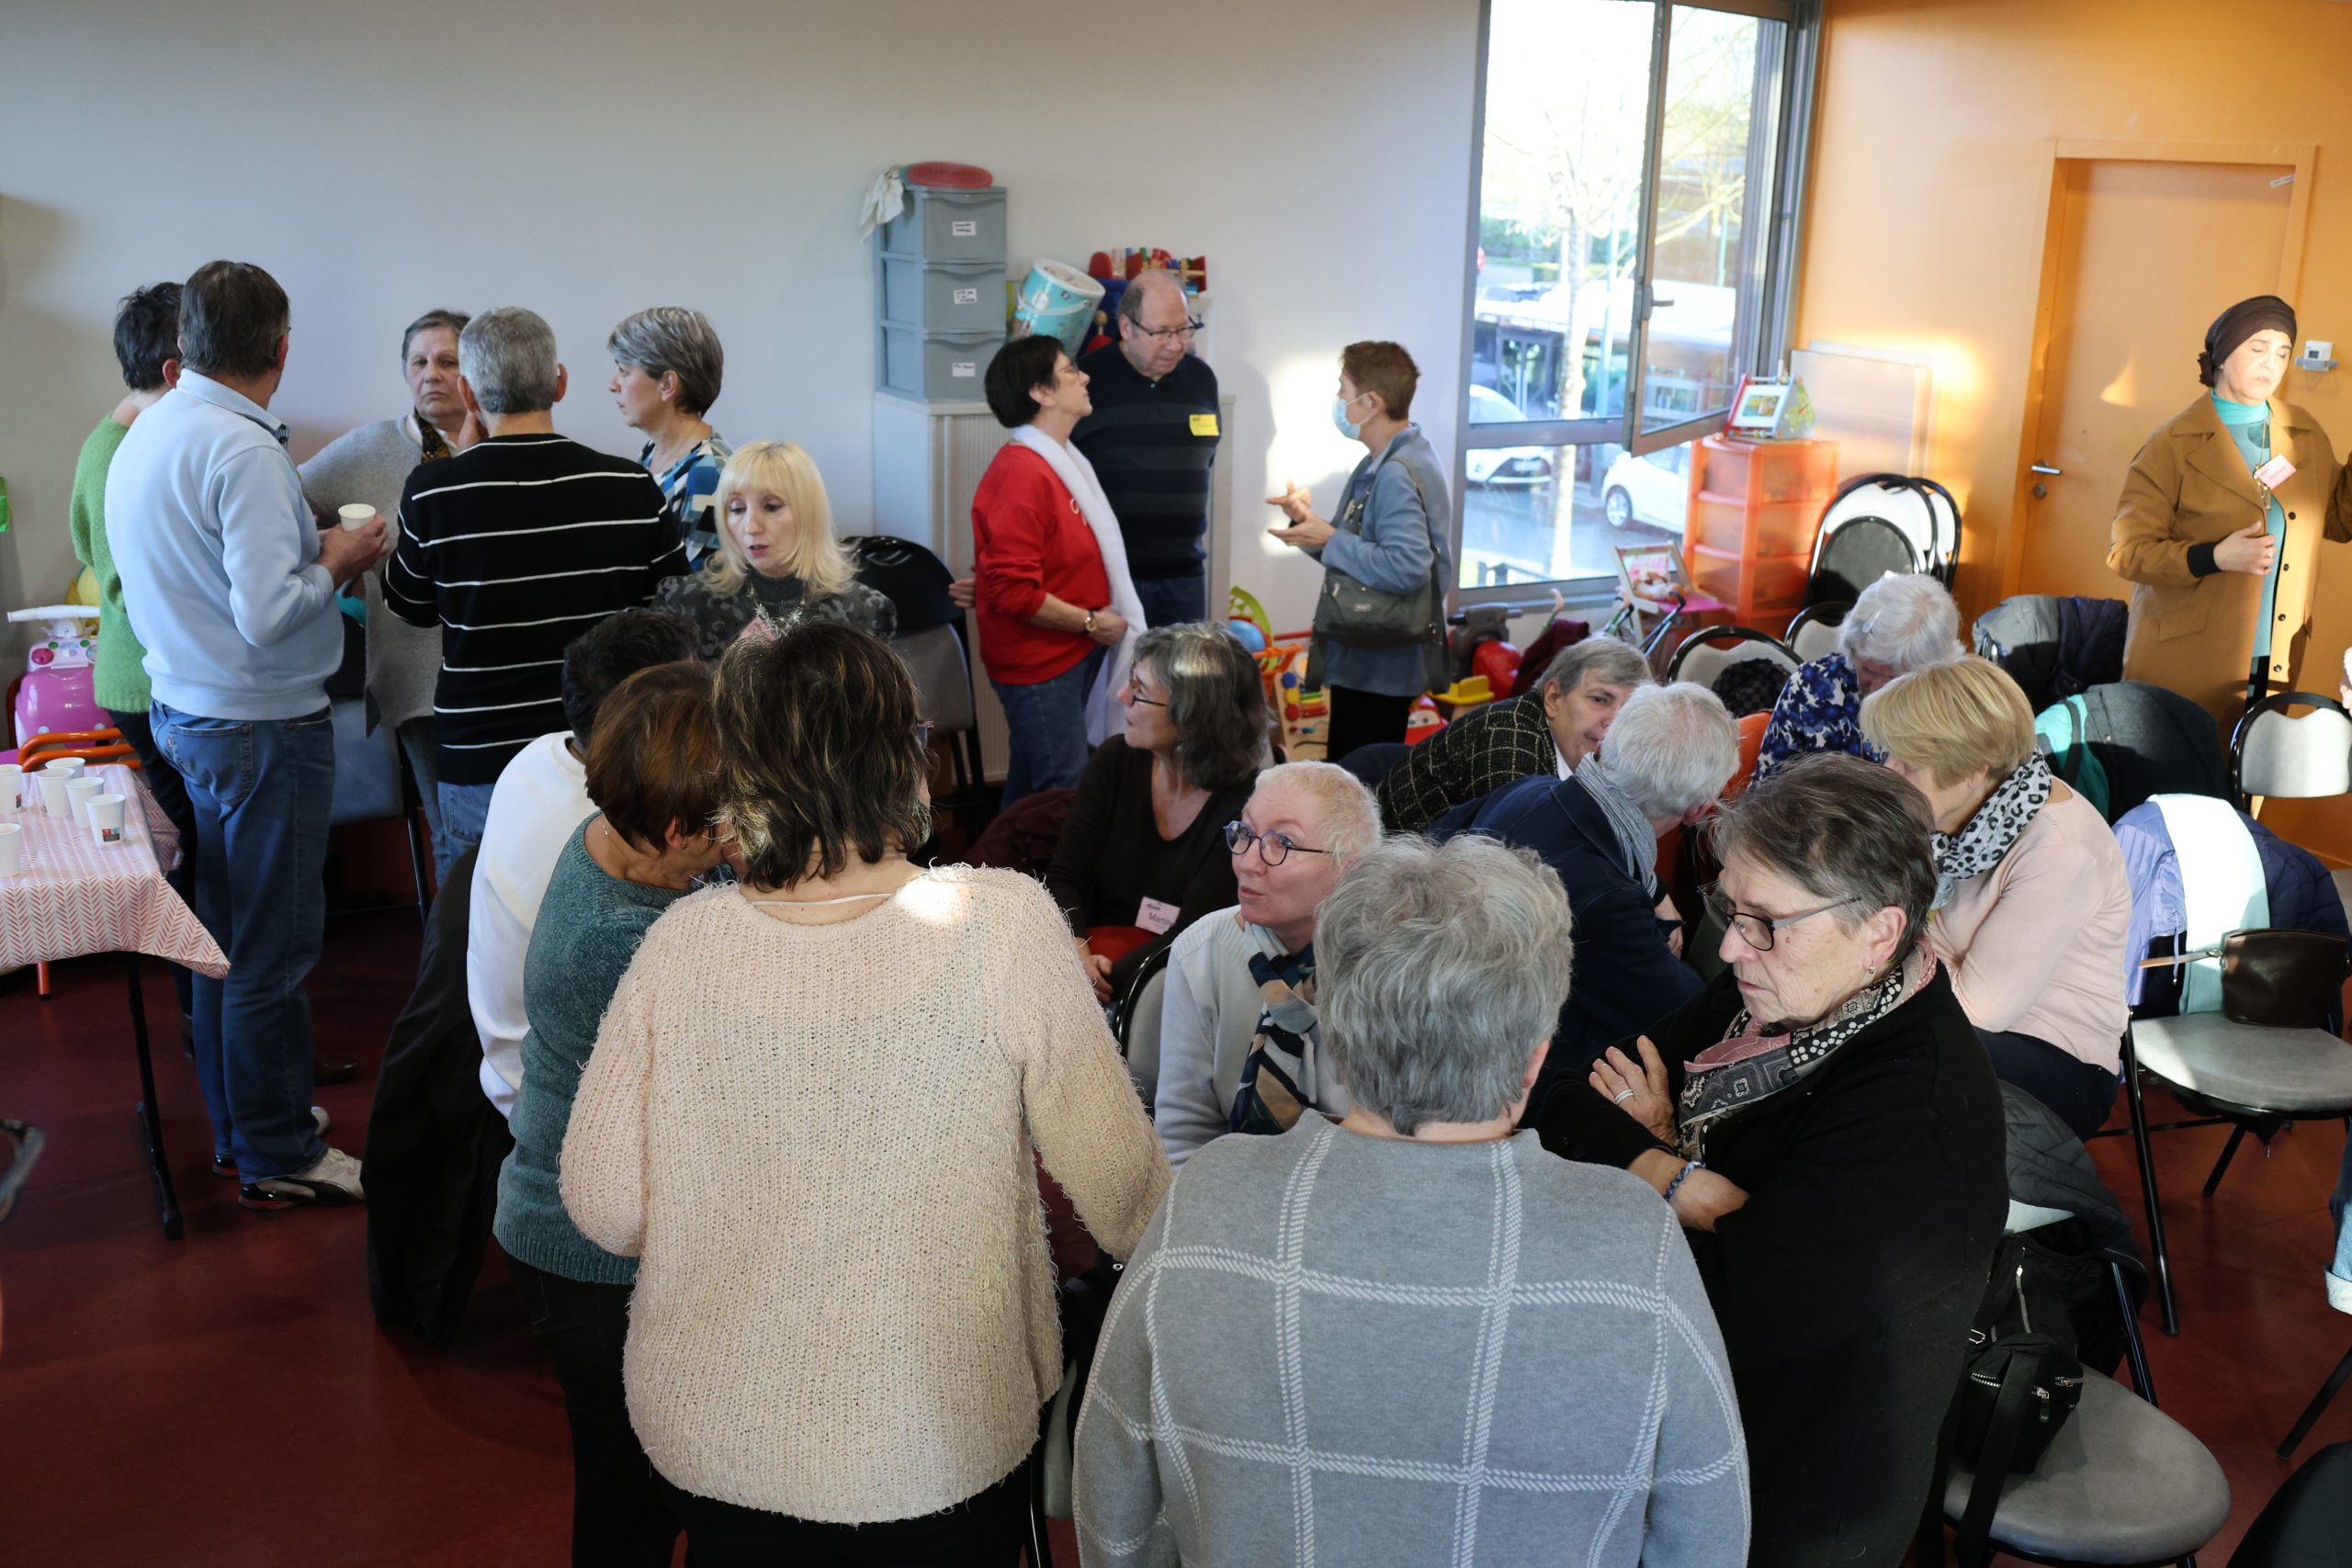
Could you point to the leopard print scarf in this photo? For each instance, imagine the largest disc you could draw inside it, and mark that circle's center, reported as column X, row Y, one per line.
column 1979, row 845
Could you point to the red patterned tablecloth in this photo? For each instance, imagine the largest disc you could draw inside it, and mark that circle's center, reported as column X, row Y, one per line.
column 73, row 896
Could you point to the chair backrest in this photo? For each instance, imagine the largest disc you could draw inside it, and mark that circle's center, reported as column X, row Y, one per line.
column 1814, row 631
column 1705, row 652
column 1922, row 510
column 2274, row 753
column 367, row 767
column 908, row 575
column 1862, row 550
column 934, row 658
column 1140, row 1025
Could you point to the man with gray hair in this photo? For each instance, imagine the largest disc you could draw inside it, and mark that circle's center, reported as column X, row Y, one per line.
column 1548, row 732
column 1306, row 1360
column 1151, row 438
column 1670, row 753
column 514, row 548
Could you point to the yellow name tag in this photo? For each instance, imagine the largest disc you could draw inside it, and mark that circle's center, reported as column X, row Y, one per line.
column 1204, row 424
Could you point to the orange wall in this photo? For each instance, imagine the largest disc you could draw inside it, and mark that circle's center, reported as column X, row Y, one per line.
column 1930, row 187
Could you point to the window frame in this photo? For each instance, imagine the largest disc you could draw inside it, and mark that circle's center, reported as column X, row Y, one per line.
column 1762, row 329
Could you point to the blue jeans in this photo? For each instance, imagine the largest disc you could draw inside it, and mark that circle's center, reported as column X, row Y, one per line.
column 1046, row 723
column 1174, row 601
column 261, row 790
column 464, row 809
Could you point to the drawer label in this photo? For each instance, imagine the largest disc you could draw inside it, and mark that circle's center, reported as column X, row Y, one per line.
column 963, row 370
column 967, row 296
column 963, row 228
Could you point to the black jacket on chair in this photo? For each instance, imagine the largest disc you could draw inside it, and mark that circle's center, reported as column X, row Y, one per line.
column 1846, row 1286
column 434, row 1141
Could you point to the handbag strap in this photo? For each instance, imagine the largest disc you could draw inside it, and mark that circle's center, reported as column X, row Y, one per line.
column 1429, row 526
column 1972, row 1545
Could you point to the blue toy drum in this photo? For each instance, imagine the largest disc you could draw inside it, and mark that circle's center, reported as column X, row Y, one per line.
column 1057, row 301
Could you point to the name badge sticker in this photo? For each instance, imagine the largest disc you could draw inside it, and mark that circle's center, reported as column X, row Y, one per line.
column 1204, row 424
column 2274, row 473
column 1155, row 917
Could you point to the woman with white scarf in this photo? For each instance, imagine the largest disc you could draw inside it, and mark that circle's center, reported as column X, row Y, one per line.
column 2032, row 903
column 1058, row 615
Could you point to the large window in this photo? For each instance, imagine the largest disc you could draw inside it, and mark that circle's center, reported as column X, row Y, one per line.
column 1629, row 266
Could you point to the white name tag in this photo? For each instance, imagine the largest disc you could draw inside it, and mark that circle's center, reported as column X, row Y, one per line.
column 2276, row 472
column 1155, row 917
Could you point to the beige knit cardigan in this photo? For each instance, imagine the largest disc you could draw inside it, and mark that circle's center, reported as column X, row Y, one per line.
column 818, row 1140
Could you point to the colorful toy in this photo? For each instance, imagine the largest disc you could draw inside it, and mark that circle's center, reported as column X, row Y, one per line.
column 58, row 691
column 1423, row 721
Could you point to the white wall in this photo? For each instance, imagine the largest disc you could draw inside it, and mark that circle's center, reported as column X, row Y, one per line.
column 590, row 158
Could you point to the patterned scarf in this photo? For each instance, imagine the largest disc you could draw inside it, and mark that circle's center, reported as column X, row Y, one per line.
column 1979, row 845
column 1278, row 1078
column 431, row 442
column 1637, row 839
column 1750, row 1065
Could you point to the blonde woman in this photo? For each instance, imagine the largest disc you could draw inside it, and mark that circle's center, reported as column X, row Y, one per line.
column 777, row 561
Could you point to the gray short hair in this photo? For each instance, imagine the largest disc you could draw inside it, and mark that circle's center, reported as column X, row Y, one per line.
column 1132, row 297
column 453, row 320
column 1906, row 621
column 507, row 357
column 1439, row 967
column 1349, row 812
column 1613, row 663
column 670, row 339
column 1671, row 748
column 1840, row 829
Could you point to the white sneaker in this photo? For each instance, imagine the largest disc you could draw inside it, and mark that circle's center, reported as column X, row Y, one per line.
column 330, row 1184
column 226, row 1164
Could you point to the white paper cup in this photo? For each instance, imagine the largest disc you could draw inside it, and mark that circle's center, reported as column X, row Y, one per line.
column 52, row 794
column 12, row 849
column 77, row 798
column 358, row 515
column 12, row 787
column 106, row 817
column 63, row 767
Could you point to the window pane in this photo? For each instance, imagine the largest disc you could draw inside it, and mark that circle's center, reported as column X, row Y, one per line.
column 1560, row 200
column 1706, row 156
column 1547, row 514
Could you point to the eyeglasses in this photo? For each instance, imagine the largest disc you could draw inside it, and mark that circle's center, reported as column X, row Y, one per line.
column 922, row 732
column 1759, row 931
column 1273, row 848
column 1135, row 694
column 1161, row 335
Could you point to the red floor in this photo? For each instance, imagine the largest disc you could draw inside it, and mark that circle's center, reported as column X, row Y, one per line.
column 229, row 1399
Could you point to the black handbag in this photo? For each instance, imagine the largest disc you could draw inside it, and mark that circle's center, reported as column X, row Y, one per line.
column 2285, row 979
column 1355, row 615
column 2020, row 1381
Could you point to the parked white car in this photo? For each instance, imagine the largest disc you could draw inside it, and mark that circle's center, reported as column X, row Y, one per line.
column 1518, row 467
column 1655, row 490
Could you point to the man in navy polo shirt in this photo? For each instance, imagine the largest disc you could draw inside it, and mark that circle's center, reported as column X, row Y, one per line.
column 1151, row 438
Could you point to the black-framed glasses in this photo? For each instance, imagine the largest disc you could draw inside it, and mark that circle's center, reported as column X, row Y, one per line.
column 1161, row 335
column 1135, row 694
column 1273, row 848
column 1758, row 931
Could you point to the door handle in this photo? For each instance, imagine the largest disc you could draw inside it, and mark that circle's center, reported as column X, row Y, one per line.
column 2044, row 468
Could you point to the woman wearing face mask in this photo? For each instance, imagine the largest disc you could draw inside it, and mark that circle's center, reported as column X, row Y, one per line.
column 666, row 369
column 777, row 561
column 1394, row 520
column 2220, row 522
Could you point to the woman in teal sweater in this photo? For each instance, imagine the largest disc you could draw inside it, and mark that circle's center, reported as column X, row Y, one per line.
column 653, row 772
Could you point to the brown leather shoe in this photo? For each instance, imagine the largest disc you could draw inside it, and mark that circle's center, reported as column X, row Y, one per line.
column 333, row 1070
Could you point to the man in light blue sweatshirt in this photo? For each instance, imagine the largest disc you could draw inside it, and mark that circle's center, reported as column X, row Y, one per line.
column 231, row 587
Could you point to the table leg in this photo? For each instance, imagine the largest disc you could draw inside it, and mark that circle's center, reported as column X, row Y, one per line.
column 151, row 1123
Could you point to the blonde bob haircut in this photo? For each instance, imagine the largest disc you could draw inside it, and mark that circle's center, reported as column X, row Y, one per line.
column 1952, row 720
column 780, row 468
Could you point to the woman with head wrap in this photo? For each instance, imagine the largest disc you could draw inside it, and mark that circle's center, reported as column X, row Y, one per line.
column 2219, row 523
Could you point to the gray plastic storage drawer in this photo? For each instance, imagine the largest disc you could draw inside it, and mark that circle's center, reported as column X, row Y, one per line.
column 943, row 296
column 936, row 366
column 949, row 225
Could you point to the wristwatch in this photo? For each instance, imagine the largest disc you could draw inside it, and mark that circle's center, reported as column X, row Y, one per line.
column 1089, row 628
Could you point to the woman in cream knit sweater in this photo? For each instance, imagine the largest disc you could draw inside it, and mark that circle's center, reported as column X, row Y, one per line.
column 810, row 1115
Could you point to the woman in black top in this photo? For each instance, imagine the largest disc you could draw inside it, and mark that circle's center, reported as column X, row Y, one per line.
column 1146, row 840
column 1825, row 1124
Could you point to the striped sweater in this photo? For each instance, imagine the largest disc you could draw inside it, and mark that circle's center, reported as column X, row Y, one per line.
column 516, row 546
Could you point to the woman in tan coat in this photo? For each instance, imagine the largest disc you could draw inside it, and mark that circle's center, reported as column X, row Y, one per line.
column 2219, row 523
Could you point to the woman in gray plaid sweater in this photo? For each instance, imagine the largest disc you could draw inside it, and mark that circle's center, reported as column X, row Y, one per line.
column 1412, row 1336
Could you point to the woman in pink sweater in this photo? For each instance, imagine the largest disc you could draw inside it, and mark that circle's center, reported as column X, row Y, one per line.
column 2032, row 904
column 810, row 1115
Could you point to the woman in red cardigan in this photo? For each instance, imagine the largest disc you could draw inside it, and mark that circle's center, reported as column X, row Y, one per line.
column 1058, row 613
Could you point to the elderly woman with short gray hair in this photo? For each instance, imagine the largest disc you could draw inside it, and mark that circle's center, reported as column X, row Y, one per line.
column 1241, row 1048
column 667, row 367
column 1825, row 1124
column 1372, row 1285
column 1898, row 624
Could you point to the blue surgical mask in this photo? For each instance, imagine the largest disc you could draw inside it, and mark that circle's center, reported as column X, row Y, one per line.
column 1348, row 427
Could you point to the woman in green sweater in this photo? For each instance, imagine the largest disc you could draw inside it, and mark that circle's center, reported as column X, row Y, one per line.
column 147, row 342
column 652, row 773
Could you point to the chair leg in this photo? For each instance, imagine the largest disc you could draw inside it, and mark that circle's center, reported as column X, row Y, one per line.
column 2148, row 1185
column 2229, row 1152
column 2135, row 1348
column 416, row 863
column 40, row 981
column 2312, row 1412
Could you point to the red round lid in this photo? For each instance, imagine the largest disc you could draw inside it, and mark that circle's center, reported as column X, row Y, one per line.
column 952, row 176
